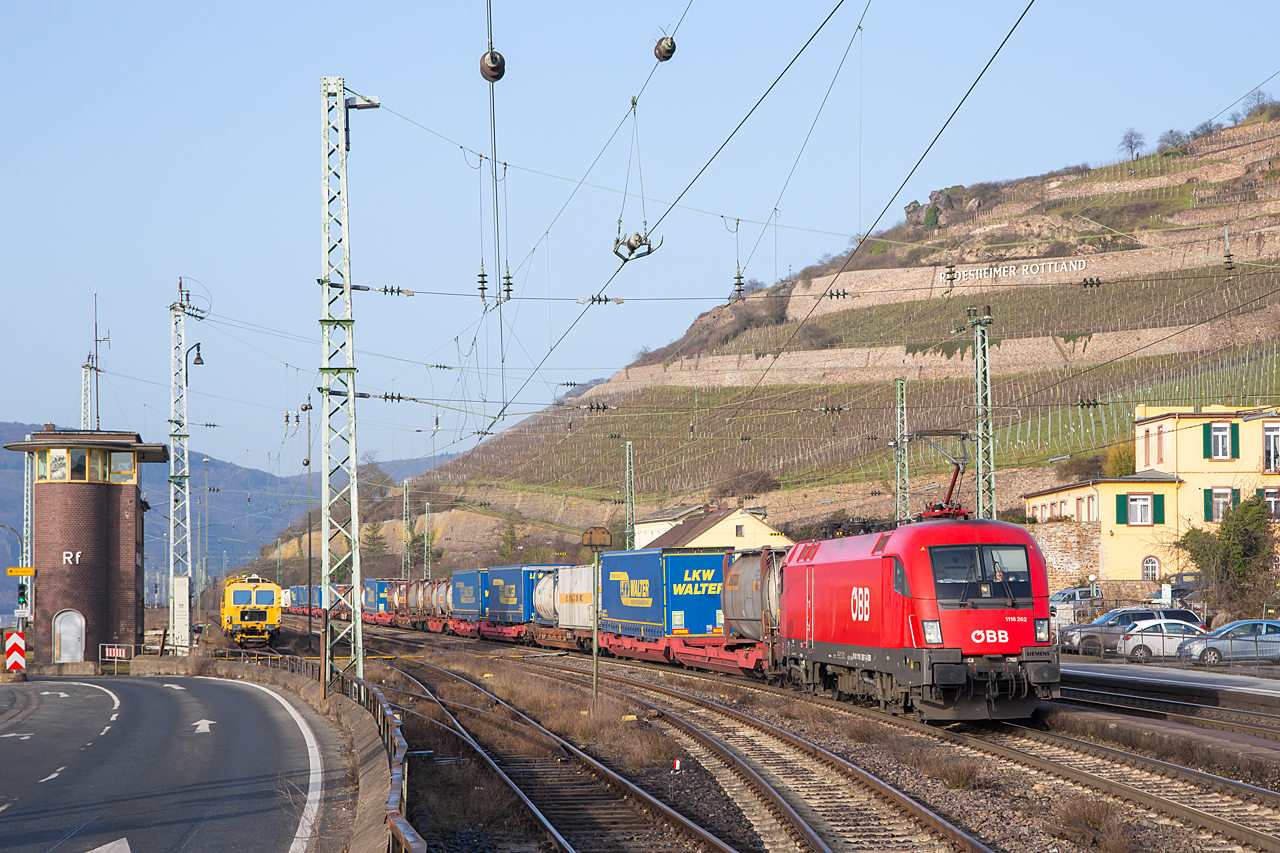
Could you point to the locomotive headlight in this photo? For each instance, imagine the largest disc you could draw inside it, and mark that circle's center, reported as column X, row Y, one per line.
column 1042, row 630
column 932, row 632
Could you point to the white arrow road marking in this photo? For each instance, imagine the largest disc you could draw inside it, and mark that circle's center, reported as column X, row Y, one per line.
column 18, row 735
column 120, row 845
column 53, row 693
column 53, row 775
column 202, row 726
column 175, row 687
column 114, row 698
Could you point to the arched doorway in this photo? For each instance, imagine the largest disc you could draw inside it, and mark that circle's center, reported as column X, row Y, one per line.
column 68, row 637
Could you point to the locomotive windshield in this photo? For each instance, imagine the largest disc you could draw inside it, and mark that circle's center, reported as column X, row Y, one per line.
column 981, row 575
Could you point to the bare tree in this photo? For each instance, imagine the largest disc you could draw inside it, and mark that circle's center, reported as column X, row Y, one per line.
column 1256, row 101
column 1133, row 142
column 1237, row 117
column 1172, row 140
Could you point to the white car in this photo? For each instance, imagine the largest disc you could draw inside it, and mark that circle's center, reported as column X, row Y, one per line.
column 1156, row 638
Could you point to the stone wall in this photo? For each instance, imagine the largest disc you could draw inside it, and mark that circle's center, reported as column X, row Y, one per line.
column 883, row 364
column 1070, row 550
column 884, row 287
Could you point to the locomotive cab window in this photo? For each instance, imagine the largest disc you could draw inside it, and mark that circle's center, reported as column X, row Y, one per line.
column 265, row 597
column 900, row 583
column 981, row 575
column 241, row 596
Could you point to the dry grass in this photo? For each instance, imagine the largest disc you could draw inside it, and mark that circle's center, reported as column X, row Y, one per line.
column 1101, row 816
column 919, row 754
column 863, row 730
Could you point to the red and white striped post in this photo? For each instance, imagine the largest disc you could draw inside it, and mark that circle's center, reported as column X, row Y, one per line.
column 15, row 651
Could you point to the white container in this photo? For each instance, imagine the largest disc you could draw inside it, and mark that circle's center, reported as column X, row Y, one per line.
column 544, row 597
column 573, row 602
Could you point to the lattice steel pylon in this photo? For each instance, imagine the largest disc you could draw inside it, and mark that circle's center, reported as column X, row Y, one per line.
column 179, row 471
column 340, row 507
column 86, row 398
column 26, row 508
column 631, row 501
column 901, row 493
column 406, row 558
column 986, row 455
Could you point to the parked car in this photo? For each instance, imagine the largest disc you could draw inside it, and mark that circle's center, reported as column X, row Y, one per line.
column 1104, row 633
column 1068, row 598
column 1156, row 638
column 1249, row 639
column 1177, row 593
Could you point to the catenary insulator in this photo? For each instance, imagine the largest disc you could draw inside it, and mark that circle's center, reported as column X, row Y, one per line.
column 492, row 66
column 665, row 48
column 635, row 241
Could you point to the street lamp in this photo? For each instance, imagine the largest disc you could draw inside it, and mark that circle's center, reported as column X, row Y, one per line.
column 186, row 367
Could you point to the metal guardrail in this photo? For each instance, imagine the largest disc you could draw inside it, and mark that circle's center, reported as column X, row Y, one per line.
column 403, row 837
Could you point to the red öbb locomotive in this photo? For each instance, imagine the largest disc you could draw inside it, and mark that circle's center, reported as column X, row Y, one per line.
column 945, row 619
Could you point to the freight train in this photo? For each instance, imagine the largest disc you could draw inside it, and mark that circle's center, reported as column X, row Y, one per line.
column 943, row 619
column 251, row 610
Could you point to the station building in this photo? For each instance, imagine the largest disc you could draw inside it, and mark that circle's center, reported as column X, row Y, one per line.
column 1193, row 463
column 87, row 540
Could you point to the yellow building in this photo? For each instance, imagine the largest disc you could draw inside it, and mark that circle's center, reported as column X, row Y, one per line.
column 1193, row 463
column 708, row 527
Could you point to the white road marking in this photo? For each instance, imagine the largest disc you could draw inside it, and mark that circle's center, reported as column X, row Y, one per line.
column 202, row 726
column 53, row 693
column 104, row 731
column 5, row 806
column 113, row 717
column 53, row 775
column 120, row 845
column 175, row 687
column 315, row 780
column 114, row 698
column 18, row 735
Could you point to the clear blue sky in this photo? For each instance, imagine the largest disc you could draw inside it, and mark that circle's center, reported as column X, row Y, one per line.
column 145, row 141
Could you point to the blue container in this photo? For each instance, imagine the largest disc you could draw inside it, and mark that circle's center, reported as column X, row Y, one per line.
column 655, row 594
column 375, row 595
column 511, row 592
column 471, row 594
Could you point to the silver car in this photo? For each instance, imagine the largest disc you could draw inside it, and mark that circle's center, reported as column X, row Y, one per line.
column 1156, row 638
column 1249, row 639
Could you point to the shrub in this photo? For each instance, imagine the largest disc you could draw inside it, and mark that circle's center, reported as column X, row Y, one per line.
column 1121, row 460
column 931, row 217
column 1080, row 467
column 740, row 481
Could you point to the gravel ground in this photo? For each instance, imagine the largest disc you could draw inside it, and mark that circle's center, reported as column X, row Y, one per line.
column 1007, row 807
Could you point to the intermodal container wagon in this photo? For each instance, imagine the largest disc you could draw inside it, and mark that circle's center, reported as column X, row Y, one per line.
column 511, row 591
column 470, row 594
column 563, row 598
column 375, row 595
column 655, row 594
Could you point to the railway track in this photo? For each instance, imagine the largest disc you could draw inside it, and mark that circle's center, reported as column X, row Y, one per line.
column 1224, row 808
column 581, row 805
column 1215, row 717
column 797, row 795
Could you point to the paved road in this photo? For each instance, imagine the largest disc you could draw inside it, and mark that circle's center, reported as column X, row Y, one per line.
column 168, row 764
column 1219, row 678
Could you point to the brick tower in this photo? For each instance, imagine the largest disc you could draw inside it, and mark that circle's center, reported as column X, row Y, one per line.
column 86, row 540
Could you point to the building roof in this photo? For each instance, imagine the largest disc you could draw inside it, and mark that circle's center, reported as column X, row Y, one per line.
column 675, row 513
column 690, row 529
column 94, row 439
column 1150, row 476
column 1213, row 413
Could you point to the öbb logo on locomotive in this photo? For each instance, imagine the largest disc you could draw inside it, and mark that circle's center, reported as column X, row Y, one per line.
column 943, row 619
column 860, row 604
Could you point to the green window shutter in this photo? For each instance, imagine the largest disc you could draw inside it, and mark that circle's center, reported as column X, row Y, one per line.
column 1208, row 504
column 1157, row 509
column 1206, row 431
column 1122, row 509
column 1235, row 497
column 1235, row 441
column 1262, row 493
